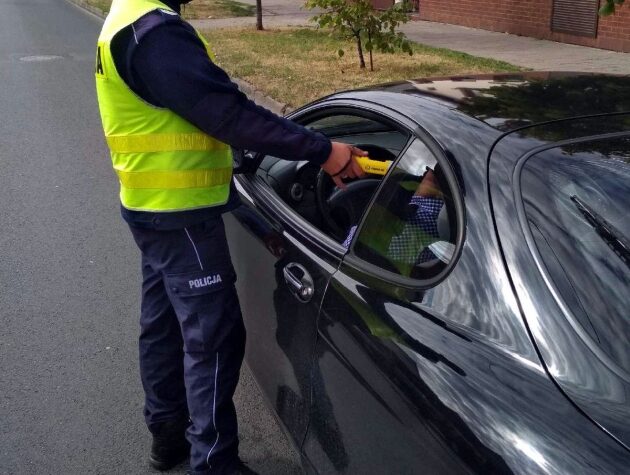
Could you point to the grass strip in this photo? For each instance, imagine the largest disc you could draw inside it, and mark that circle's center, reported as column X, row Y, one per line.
column 296, row 66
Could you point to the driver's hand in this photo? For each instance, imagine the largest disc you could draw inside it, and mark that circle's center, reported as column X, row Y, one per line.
column 429, row 186
column 341, row 164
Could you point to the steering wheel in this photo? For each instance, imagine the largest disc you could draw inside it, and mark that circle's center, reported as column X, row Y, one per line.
column 341, row 209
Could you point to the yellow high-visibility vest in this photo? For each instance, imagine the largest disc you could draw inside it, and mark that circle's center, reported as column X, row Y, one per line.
column 163, row 162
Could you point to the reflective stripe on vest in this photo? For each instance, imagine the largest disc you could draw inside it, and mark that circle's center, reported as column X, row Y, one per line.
column 163, row 162
column 162, row 143
column 174, row 180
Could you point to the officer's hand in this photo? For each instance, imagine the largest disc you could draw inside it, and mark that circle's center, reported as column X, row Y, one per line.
column 341, row 164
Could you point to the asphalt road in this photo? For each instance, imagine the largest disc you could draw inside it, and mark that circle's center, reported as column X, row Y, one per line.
column 70, row 397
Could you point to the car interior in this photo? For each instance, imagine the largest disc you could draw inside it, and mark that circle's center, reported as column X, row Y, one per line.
column 313, row 195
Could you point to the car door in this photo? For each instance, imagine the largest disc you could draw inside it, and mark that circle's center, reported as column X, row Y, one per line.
column 285, row 253
column 284, row 262
column 282, row 274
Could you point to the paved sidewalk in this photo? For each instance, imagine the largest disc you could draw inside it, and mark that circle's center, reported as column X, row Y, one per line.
column 276, row 13
column 519, row 50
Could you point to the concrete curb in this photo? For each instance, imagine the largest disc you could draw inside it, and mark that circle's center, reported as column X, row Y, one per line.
column 249, row 89
column 94, row 10
column 261, row 99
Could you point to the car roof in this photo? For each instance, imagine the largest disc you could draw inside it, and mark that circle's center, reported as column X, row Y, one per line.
column 509, row 101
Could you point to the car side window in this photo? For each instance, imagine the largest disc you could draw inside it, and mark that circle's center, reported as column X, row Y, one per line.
column 410, row 230
column 312, row 194
column 575, row 200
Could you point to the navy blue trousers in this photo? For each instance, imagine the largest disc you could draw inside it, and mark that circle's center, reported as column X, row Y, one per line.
column 192, row 338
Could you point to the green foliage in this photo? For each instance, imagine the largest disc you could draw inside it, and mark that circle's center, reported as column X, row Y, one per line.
column 371, row 30
column 608, row 7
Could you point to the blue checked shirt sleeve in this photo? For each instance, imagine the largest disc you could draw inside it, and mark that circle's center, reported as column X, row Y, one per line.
column 410, row 246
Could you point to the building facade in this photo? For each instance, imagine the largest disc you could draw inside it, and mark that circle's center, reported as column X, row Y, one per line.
column 567, row 21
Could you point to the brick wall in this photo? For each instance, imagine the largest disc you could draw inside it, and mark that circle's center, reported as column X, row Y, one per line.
column 527, row 18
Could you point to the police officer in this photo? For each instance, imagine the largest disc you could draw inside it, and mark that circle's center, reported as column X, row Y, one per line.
column 170, row 115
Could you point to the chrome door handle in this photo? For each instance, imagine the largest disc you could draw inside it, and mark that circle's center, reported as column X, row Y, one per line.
column 299, row 281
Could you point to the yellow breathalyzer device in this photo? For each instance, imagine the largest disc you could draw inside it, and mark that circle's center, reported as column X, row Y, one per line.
column 375, row 167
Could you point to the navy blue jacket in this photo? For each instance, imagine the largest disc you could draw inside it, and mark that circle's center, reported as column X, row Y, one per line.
column 162, row 59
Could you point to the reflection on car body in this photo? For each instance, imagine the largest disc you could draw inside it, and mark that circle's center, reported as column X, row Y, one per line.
column 496, row 341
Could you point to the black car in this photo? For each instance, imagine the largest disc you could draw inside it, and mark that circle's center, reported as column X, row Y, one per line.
column 467, row 312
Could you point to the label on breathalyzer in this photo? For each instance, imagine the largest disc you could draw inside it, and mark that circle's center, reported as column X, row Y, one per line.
column 375, row 167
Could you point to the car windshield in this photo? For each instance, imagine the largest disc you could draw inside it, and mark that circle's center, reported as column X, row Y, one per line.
column 577, row 202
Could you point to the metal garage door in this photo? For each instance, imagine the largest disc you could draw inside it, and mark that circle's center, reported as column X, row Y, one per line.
column 578, row 17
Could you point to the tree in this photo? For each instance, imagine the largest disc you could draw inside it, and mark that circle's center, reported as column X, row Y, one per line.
column 259, row 24
column 358, row 20
column 609, row 7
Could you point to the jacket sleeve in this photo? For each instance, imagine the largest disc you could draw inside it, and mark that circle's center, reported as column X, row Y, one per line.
column 171, row 63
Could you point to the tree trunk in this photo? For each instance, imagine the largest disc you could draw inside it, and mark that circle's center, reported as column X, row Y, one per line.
column 360, row 51
column 259, row 25
column 371, row 61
